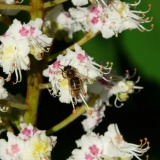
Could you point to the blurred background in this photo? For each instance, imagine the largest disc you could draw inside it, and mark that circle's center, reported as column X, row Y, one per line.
column 140, row 116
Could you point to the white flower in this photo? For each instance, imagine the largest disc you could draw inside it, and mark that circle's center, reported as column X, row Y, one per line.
column 30, row 144
column 99, row 22
column 27, row 131
column 70, row 74
column 39, row 147
column 111, row 146
column 119, row 86
column 118, row 147
column 62, row 20
column 14, row 56
column 11, row 149
column 90, row 148
column 79, row 2
column 95, row 118
column 18, row 42
column 126, row 17
column 108, row 17
column 36, row 40
column 3, row 91
column 80, row 18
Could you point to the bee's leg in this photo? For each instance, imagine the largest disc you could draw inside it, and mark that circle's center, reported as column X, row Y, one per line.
column 73, row 104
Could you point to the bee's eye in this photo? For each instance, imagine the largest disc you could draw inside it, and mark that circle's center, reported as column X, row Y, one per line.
column 67, row 68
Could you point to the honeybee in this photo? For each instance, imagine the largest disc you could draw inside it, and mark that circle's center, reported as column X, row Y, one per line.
column 75, row 82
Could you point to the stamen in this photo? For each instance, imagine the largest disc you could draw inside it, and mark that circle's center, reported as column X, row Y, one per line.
column 142, row 29
column 115, row 103
column 4, row 109
column 19, row 2
column 136, row 3
column 141, row 12
column 138, row 79
column 74, row 110
column 110, row 78
column 8, row 77
column 18, row 76
column 137, row 87
column 1, row 123
column 128, row 76
column 147, row 157
column 104, row 3
column 87, row 107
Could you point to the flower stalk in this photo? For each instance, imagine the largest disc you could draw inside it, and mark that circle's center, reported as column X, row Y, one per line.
column 79, row 111
column 34, row 77
column 15, row 7
column 13, row 104
column 88, row 36
column 53, row 3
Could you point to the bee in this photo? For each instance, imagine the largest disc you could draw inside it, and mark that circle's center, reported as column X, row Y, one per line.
column 75, row 82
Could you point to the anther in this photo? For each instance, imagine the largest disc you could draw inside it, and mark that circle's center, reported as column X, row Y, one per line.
column 101, row 68
column 92, row 1
column 74, row 111
column 145, row 139
column 147, row 157
column 89, row 111
column 138, row 79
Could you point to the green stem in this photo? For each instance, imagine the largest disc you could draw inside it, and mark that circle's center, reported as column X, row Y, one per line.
column 45, row 85
column 34, row 77
column 53, row 3
column 82, row 41
column 72, row 117
column 13, row 104
column 15, row 7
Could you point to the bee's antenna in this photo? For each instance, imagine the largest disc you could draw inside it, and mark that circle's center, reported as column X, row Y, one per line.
column 70, row 61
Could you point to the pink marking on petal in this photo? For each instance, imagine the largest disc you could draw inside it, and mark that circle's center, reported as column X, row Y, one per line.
column 89, row 157
column 67, row 14
column 23, row 31
column 15, row 148
column 9, row 153
column 35, row 131
column 94, row 149
column 82, row 58
column 51, row 71
column 94, row 20
column 102, row 81
column 32, row 30
column 27, row 132
column 54, row 67
column 95, row 10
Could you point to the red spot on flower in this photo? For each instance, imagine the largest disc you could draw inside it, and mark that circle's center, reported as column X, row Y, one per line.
column 14, row 149
column 89, row 157
column 95, row 10
column 54, row 67
column 26, row 132
column 94, row 20
column 66, row 14
column 32, row 30
column 94, row 150
column 82, row 58
column 102, row 81
column 23, row 31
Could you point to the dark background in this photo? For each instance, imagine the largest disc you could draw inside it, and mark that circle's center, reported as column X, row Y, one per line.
column 140, row 115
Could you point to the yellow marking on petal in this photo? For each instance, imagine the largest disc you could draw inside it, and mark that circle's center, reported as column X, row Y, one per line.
column 63, row 83
column 8, row 51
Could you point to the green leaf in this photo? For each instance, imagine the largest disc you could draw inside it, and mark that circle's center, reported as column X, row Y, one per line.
column 142, row 49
